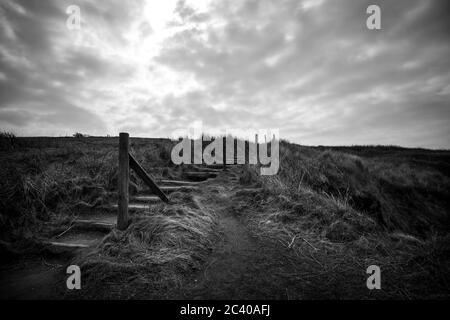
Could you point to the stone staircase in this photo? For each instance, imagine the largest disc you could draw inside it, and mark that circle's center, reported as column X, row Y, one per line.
column 89, row 229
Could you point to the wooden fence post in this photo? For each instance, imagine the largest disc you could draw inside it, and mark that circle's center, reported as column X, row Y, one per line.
column 124, row 180
column 224, row 153
column 257, row 148
column 246, row 151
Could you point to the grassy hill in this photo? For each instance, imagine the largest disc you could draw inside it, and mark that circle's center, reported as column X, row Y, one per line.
column 341, row 208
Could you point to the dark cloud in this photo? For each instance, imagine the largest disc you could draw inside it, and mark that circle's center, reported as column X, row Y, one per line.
column 319, row 74
column 310, row 68
column 47, row 76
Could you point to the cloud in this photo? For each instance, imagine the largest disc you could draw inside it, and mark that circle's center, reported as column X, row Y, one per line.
column 310, row 68
column 317, row 73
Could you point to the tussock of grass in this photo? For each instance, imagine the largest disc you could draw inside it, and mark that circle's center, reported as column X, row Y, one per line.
column 342, row 213
column 159, row 247
column 309, row 211
column 248, row 177
column 45, row 181
column 395, row 191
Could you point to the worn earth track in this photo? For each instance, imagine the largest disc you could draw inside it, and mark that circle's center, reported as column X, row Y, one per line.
column 242, row 266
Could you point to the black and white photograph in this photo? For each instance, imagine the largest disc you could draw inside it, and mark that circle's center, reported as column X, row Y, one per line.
column 236, row 151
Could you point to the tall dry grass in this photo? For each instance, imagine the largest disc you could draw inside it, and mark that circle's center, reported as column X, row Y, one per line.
column 343, row 212
column 161, row 246
column 44, row 181
column 398, row 195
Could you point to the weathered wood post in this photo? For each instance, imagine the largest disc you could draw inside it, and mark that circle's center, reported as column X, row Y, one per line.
column 224, row 153
column 124, row 180
column 257, row 147
column 246, row 151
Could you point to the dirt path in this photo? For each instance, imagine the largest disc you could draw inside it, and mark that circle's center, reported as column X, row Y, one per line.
column 242, row 266
column 31, row 279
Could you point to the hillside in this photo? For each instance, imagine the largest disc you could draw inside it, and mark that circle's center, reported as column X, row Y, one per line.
column 311, row 231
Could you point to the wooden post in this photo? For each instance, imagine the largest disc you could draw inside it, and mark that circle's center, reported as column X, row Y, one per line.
column 257, row 147
column 124, row 180
column 224, row 153
column 147, row 179
column 247, row 152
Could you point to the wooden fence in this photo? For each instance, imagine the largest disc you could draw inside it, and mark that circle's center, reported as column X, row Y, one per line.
column 127, row 161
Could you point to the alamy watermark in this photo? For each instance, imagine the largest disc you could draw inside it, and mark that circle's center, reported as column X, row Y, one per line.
column 373, row 22
column 242, row 146
column 374, row 280
column 74, row 280
column 73, row 22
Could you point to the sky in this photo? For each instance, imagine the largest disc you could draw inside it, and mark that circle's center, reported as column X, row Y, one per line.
column 311, row 69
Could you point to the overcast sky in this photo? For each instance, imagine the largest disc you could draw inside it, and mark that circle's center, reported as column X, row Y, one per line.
column 310, row 68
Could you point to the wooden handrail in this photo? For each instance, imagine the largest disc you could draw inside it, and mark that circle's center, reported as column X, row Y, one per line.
column 147, row 179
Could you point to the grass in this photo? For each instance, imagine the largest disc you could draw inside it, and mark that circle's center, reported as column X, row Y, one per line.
column 47, row 182
column 397, row 193
column 153, row 255
column 344, row 212
column 341, row 209
column 45, row 179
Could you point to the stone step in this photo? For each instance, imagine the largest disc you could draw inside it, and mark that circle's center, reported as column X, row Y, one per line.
column 65, row 246
column 209, row 170
column 75, row 240
column 148, row 197
column 145, row 198
column 199, row 176
column 106, row 218
column 140, row 205
column 170, row 189
column 178, row 183
column 218, row 167
column 214, row 166
column 95, row 225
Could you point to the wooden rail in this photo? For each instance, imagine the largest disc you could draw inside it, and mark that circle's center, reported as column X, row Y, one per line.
column 124, row 181
column 147, row 179
column 127, row 161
